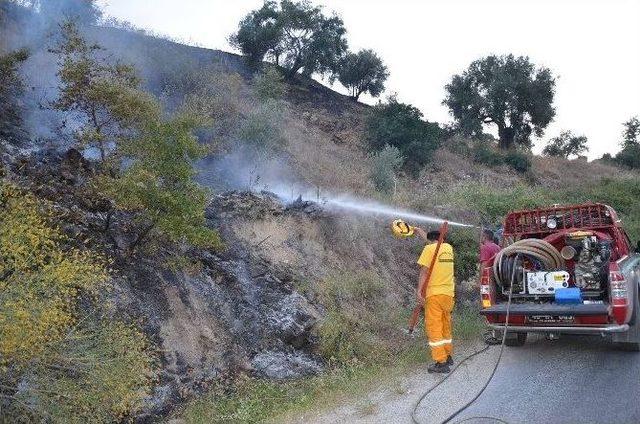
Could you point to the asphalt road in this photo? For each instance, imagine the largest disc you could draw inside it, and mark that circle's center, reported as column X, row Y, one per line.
column 575, row 379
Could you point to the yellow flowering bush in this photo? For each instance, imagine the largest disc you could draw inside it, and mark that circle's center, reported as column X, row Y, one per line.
column 58, row 361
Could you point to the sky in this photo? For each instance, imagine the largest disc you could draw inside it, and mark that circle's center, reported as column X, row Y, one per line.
column 593, row 47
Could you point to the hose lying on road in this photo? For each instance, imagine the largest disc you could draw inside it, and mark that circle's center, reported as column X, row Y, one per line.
column 538, row 251
column 493, row 373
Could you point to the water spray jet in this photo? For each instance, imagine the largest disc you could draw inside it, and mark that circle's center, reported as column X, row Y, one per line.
column 347, row 203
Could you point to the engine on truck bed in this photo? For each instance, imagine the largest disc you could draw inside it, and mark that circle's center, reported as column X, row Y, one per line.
column 591, row 259
column 578, row 259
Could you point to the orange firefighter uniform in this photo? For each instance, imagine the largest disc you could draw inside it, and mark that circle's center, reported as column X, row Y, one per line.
column 438, row 304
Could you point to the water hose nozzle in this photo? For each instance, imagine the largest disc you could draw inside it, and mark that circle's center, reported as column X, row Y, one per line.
column 401, row 229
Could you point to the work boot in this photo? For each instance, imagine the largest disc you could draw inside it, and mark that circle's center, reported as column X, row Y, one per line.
column 438, row 367
column 449, row 360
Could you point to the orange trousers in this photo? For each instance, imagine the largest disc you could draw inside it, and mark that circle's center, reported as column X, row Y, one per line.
column 437, row 324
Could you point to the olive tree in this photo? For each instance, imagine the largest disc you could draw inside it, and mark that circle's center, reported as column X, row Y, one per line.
column 506, row 91
column 363, row 72
column 629, row 156
column 295, row 35
column 631, row 132
column 259, row 33
column 566, row 144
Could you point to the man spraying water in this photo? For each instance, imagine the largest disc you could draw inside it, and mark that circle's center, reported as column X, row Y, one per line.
column 435, row 292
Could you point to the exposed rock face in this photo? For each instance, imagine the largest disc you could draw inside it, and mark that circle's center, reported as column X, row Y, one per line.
column 239, row 313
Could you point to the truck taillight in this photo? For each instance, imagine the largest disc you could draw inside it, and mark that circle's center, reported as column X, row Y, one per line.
column 619, row 293
column 485, row 287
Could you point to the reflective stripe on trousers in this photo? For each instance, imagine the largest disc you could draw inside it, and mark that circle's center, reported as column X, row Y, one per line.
column 437, row 316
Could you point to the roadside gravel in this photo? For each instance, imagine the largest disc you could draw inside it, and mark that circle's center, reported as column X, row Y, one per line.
column 392, row 399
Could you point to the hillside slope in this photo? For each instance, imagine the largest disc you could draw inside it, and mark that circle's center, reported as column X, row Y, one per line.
column 292, row 275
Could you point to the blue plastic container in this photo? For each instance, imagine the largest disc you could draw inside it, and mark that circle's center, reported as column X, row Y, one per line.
column 568, row 296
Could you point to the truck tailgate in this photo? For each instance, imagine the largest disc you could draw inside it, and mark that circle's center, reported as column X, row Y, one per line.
column 547, row 309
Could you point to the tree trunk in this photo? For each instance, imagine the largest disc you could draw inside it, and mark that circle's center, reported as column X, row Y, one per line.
column 294, row 68
column 507, row 136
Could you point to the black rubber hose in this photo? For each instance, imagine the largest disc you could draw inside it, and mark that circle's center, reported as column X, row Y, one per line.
column 493, row 372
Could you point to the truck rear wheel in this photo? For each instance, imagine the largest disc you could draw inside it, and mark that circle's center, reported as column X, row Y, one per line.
column 516, row 339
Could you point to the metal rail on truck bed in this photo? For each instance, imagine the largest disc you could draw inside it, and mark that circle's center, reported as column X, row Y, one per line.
column 590, row 216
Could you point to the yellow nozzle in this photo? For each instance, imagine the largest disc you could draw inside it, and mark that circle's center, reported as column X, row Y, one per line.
column 401, row 229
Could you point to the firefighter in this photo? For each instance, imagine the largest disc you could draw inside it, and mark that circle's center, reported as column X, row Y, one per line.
column 438, row 300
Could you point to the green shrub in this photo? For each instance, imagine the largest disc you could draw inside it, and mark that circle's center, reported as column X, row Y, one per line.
column 269, row 84
column 210, row 93
column 519, row 161
column 629, row 156
column 356, row 320
column 158, row 184
column 492, row 203
column 384, row 165
column 467, row 323
column 262, row 128
column 401, row 125
column 485, row 154
column 465, row 245
column 101, row 372
column 620, row 193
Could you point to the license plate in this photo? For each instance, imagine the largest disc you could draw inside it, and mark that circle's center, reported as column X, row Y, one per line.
column 550, row 319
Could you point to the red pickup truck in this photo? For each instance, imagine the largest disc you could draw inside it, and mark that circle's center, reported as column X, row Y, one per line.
column 568, row 269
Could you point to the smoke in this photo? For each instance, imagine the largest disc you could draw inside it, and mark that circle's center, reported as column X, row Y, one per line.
column 33, row 24
column 247, row 169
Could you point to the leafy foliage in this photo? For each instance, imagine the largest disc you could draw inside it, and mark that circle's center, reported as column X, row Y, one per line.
column 506, row 91
column 106, row 98
column 150, row 169
column 565, row 145
column 629, row 156
column 384, row 165
column 158, row 183
column 401, row 125
column 53, row 366
column 297, row 36
column 517, row 160
column 486, row 154
column 631, row 132
column 363, row 72
column 10, row 82
column 269, row 84
column 11, row 87
column 211, row 94
column 465, row 246
column 39, row 281
column 259, row 33
column 262, row 129
column 99, row 372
